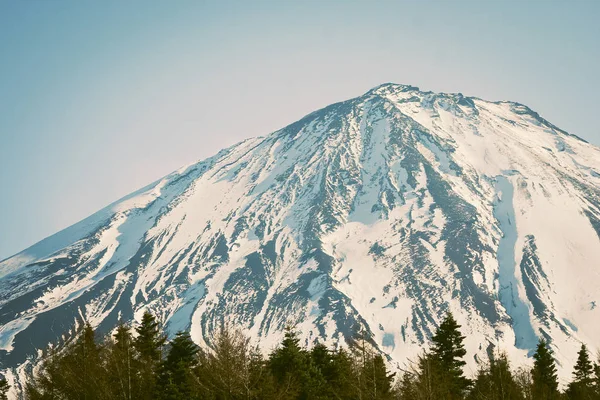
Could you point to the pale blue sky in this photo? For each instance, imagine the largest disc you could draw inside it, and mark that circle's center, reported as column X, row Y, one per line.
column 100, row 98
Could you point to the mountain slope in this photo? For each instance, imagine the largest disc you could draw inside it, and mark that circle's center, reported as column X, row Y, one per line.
column 379, row 213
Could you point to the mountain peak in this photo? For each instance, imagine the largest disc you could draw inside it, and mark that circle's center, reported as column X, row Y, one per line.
column 377, row 214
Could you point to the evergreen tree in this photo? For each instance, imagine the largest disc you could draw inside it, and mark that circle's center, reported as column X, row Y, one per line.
column 342, row 376
column 177, row 380
column 149, row 341
column 294, row 371
column 545, row 381
column 597, row 379
column 4, row 386
column 148, row 345
column 448, row 351
column 582, row 386
column 322, row 360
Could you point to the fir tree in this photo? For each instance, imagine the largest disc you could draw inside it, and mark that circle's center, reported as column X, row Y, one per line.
column 293, row 370
column 597, row 379
column 545, row 382
column 149, row 341
column 177, row 380
column 582, row 386
column 341, row 377
column 148, row 345
column 448, row 351
column 322, row 360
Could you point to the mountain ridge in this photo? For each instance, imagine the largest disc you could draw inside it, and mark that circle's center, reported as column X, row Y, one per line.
column 378, row 213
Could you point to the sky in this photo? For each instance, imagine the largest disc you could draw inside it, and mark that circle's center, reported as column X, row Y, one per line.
column 98, row 99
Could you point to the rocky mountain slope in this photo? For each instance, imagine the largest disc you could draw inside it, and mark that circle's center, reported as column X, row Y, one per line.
column 376, row 214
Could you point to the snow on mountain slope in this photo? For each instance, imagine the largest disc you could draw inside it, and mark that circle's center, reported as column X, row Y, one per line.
column 379, row 213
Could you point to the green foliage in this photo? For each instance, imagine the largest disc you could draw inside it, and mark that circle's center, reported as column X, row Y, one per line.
column 149, row 347
column 127, row 368
column 177, row 379
column 149, row 341
column 545, row 381
column 582, row 386
column 341, row 376
column 294, row 370
column 448, row 351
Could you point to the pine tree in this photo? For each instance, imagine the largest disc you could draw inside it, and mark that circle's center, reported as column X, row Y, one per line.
column 148, row 345
column 293, row 370
column 582, row 386
column 149, row 341
column 177, row 380
column 596, row 383
column 4, row 387
column 342, row 376
column 448, row 351
column 323, row 361
column 545, row 381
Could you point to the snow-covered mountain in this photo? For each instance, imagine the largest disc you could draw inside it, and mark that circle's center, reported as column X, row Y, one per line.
column 378, row 213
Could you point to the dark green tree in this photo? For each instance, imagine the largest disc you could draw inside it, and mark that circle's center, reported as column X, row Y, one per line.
column 448, row 352
column 582, row 386
column 342, row 376
column 294, row 371
column 322, row 360
column 149, row 341
column 597, row 379
column 4, row 387
column 177, row 380
column 545, row 381
column 149, row 346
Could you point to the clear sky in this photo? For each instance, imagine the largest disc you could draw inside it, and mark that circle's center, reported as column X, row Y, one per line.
column 98, row 99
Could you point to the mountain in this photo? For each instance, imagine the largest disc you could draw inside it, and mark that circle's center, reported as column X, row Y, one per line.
column 377, row 214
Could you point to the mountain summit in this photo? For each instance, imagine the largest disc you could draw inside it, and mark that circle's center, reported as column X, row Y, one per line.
column 377, row 214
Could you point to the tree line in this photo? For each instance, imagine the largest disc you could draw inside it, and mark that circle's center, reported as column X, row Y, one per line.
column 144, row 366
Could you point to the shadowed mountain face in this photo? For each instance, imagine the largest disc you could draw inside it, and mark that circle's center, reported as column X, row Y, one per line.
column 378, row 214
